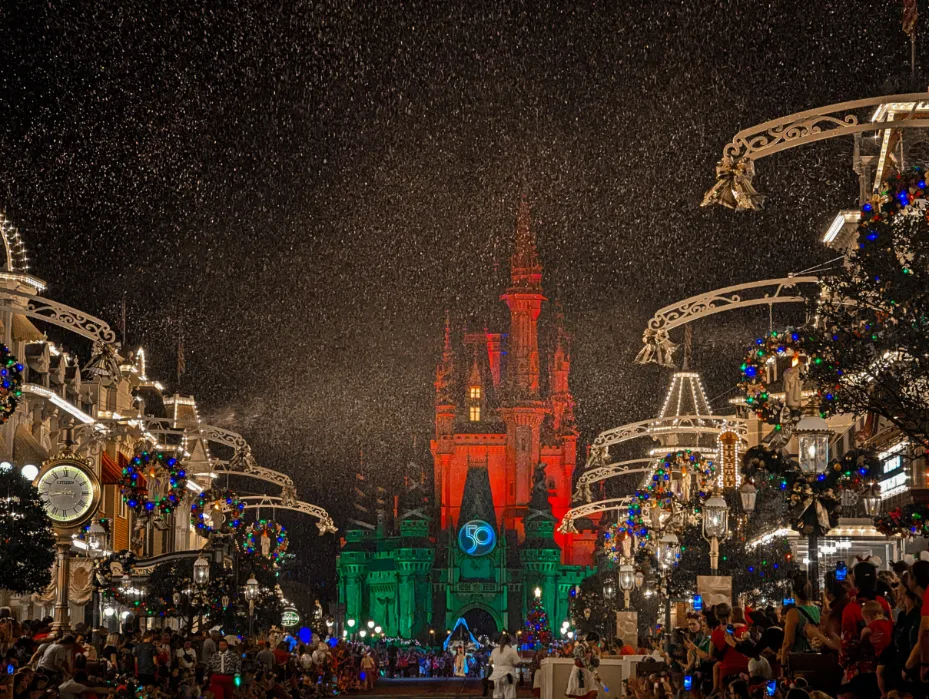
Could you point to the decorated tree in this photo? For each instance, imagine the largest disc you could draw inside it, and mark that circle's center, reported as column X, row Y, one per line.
column 27, row 542
column 872, row 332
column 538, row 631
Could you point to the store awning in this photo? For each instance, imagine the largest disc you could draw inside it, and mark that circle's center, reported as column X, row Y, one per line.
column 26, row 449
column 24, row 330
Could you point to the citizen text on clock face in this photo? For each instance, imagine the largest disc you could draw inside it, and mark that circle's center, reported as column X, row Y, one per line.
column 67, row 492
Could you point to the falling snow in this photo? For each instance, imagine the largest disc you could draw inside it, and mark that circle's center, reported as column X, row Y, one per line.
column 306, row 187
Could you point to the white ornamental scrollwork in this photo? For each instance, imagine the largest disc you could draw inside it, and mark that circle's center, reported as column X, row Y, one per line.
column 818, row 124
column 567, row 523
column 325, row 523
column 680, row 424
column 59, row 314
column 602, row 473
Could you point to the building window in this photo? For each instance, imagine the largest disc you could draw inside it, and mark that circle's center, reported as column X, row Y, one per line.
column 475, row 392
column 474, row 413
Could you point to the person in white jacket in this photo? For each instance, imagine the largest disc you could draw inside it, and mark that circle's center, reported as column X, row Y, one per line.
column 504, row 658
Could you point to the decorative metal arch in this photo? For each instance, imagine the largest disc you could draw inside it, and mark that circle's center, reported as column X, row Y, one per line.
column 567, row 522
column 679, row 424
column 818, row 124
column 325, row 523
column 601, row 473
column 242, row 462
column 702, row 305
column 259, row 472
column 59, row 314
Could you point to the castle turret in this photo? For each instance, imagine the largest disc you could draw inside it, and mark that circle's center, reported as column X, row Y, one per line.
column 522, row 411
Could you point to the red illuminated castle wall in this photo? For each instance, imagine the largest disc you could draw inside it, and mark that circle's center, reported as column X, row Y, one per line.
column 503, row 405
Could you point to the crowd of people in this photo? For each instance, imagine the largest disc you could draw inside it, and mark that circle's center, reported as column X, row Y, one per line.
column 861, row 641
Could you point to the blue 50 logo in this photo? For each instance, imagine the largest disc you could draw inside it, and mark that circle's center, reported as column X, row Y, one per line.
column 477, row 538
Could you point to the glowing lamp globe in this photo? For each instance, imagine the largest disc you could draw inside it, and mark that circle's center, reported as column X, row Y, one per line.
column 872, row 500
column 626, row 577
column 251, row 589
column 813, row 435
column 748, row 493
column 715, row 517
column 201, row 570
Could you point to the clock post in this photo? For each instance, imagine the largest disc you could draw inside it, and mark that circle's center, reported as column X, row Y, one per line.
column 62, row 622
column 70, row 493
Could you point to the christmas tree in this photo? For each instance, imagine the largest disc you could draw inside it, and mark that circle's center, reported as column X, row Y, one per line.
column 872, row 352
column 538, row 632
column 27, row 542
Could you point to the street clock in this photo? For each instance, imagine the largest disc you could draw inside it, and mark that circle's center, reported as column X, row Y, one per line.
column 69, row 489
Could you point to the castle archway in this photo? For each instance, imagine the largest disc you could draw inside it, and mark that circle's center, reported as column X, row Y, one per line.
column 481, row 620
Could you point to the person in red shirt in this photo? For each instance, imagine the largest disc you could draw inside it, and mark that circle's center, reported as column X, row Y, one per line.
column 624, row 648
column 860, row 678
column 879, row 630
column 731, row 662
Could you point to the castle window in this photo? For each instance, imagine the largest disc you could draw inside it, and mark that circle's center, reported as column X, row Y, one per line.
column 474, row 413
column 475, row 392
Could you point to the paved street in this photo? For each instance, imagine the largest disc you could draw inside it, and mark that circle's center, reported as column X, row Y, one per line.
column 434, row 687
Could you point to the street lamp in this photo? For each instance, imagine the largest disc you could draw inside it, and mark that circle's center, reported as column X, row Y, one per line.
column 362, row 633
column 201, row 570
column 609, row 590
column 370, row 624
column 96, row 539
column 377, row 629
column 748, row 494
column 872, row 500
column 813, row 438
column 251, row 594
column 626, row 580
column 813, row 444
column 639, row 579
column 668, row 549
column 715, row 526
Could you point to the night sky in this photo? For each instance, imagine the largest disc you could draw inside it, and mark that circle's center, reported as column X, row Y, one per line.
column 306, row 187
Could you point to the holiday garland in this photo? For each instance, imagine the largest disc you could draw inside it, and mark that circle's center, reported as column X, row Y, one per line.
column 909, row 521
column 11, row 383
column 150, row 465
column 256, row 531
column 221, row 500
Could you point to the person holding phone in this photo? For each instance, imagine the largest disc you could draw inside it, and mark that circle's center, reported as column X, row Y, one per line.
column 731, row 662
column 803, row 612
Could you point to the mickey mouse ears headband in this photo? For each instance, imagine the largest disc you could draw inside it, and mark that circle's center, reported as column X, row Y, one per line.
column 873, row 560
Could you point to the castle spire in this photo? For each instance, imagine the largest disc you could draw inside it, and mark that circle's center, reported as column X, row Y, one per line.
column 445, row 368
column 525, row 268
column 524, row 298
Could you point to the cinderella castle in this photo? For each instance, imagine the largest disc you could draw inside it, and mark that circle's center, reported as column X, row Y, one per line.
column 475, row 552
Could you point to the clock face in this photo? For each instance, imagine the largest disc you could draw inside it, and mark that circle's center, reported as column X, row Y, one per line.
column 67, row 493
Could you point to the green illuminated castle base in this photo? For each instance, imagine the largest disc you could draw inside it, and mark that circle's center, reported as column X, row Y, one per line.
column 417, row 586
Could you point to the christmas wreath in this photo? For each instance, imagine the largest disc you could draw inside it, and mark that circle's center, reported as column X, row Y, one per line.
column 11, row 383
column 149, row 466
column 804, row 348
column 216, row 500
column 658, row 493
column 256, row 532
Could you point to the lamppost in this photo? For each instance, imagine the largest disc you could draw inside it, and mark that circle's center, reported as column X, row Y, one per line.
column 351, row 625
column 201, row 570
column 251, row 594
column 813, row 441
column 669, row 548
column 748, row 493
column 715, row 526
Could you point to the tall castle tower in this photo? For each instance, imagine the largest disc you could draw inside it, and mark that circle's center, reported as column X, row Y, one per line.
column 495, row 408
